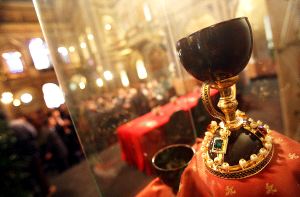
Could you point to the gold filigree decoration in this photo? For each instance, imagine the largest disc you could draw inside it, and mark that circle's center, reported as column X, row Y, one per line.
column 230, row 191
column 270, row 189
column 293, row 156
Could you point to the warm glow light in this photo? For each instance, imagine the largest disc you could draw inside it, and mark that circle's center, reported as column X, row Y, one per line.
column 63, row 51
column 81, row 85
column 16, row 102
column 247, row 5
column 90, row 36
column 26, row 98
column 141, row 70
column 53, row 95
column 71, row 49
column 126, row 51
column 13, row 60
column 39, row 53
column 268, row 32
column 107, row 26
column 99, row 82
column 7, row 97
column 171, row 67
column 124, row 78
column 108, row 75
column 147, row 12
column 83, row 45
column 73, row 86
column 8, row 55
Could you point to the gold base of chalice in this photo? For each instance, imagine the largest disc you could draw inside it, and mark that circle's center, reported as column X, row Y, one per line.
column 237, row 147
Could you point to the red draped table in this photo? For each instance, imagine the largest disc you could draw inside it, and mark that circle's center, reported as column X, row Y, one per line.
column 142, row 137
column 280, row 178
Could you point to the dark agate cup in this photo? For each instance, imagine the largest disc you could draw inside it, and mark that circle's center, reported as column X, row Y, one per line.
column 170, row 162
column 217, row 52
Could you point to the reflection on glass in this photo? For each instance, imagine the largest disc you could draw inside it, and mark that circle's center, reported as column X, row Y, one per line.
column 99, row 82
column 147, row 12
column 64, row 54
column 107, row 75
column 83, row 45
column 107, row 26
column 121, row 69
column 71, row 49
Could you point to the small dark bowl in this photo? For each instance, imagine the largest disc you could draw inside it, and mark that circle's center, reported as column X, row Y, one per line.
column 217, row 52
column 170, row 162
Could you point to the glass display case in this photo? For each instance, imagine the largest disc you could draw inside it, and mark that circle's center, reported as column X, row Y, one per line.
column 129, row 96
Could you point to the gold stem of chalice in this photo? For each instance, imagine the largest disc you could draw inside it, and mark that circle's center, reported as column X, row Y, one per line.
column 227, row 103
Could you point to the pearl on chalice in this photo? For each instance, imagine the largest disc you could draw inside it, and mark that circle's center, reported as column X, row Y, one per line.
column 217, row 160
column 225, row 166
column 259, row 122
column 242, row 163
column 203, row 148
column 253, row 157
column 214, row 124
column 253, row 125
column 268, row 138
column 208, row 134
column 209, row 162
column 268, row 145
column 262, row 151
column 204, row 156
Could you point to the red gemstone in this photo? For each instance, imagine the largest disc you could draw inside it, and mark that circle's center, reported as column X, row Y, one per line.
column 209, row 127
column 262, row 130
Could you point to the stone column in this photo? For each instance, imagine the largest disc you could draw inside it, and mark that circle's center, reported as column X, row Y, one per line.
column 284, row 18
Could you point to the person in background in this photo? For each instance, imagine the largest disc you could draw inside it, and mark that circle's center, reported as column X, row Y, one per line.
column 139, row 102
column 26, row 146
column 54, row 147
column 66, row 131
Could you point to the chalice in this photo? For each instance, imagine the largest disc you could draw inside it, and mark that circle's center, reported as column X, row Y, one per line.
column 238, row 146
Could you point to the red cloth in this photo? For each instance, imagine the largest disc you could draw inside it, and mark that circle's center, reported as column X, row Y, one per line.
column 142, row 137
column 280, row 178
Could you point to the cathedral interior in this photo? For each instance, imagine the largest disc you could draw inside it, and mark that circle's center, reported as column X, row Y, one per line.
column 97, row 56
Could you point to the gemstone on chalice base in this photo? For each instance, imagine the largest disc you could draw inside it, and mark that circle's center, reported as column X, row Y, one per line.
column 262, row 130
column 218, row 143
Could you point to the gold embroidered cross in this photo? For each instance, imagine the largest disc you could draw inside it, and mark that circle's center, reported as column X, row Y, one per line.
column 180, row 186
column 278, row 140
column 229, row 190
column 270, row 189
column 194, row 168
column 293, row 156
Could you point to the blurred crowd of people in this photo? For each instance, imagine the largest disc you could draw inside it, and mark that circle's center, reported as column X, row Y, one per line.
column 48, row 140
column 100, row 116
column 139, row 100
